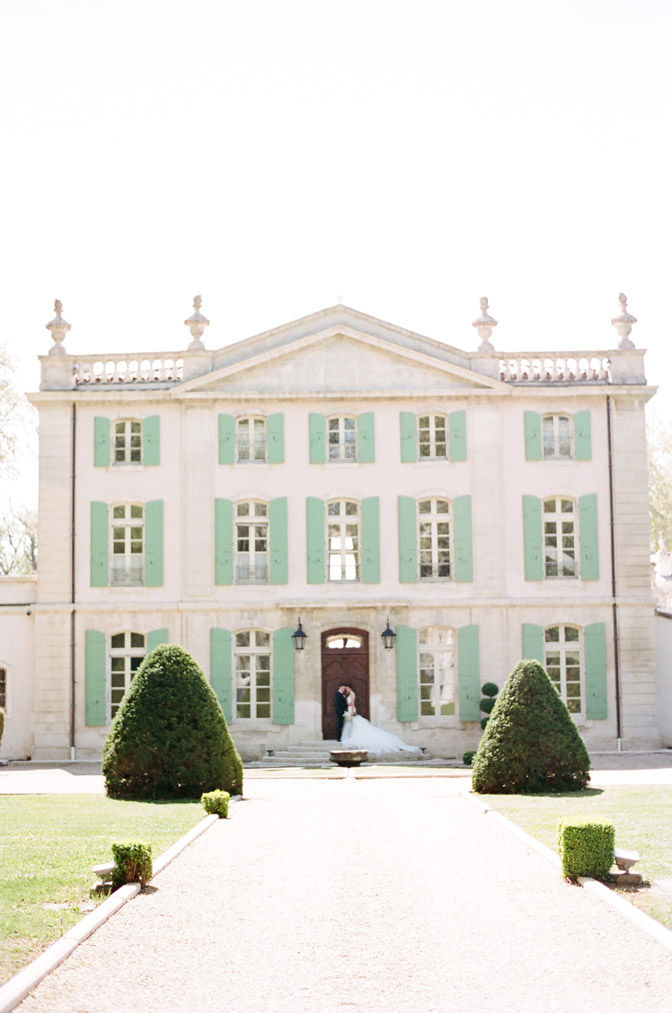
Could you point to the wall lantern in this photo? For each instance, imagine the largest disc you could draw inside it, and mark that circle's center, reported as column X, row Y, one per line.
column 389, row 636
column 299, row 637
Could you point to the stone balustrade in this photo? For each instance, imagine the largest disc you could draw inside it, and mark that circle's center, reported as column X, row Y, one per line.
column 556, row 367
column 138, row 368
column 71, row 372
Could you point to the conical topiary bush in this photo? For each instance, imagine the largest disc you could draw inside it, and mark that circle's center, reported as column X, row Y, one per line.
column 169, row 737
column 530, row 743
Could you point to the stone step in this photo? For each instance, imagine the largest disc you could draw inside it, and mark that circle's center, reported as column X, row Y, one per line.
column 315, row 752
column 291, row 758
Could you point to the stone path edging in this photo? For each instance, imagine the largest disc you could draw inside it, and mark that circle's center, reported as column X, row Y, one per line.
column 599, row 890
column 629, row 911
column 20, row 985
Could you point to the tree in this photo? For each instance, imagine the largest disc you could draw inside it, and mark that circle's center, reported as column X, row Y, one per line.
column 18, row 541
column 13, row 413
column 169, row 737
column 530, row 744
column 659, row 439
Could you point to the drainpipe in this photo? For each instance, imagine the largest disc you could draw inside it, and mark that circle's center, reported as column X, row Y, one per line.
column 614, row 608
column 72, row 584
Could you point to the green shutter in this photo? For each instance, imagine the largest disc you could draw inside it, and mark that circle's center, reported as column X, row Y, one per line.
column 457, row 434
column 223, row 542
column 154, row 543
column 315, row 538
column 370, row 541
column 100, row 535
column 468, row 676
column 408, row 540
column 220, row 668
column 277, row 515
column 317, row 436
column 533, row 642
column 462, row 540
column 590, row 563
column 151, row 446
column 275, row 429
column 283, row 677
column 582, row 440
column 155, row 638
column 366, row 438
column 408, row 433
column 532, row 436
column 227, row 439
column 533, row 540
column 101, row 442
column 95, row 678
column 406, row 652
column 594, row 646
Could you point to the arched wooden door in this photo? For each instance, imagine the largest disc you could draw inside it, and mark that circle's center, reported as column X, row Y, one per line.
column 345, row 659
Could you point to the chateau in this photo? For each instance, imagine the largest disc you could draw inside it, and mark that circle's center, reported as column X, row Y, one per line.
column 338, row 477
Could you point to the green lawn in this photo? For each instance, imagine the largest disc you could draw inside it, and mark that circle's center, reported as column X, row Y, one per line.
column 642, row 817
column 48, row 846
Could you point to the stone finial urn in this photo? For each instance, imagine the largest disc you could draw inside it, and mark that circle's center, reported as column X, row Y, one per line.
column 59, row 328
column 623, row 323
column 197, row 324
column 484, row 324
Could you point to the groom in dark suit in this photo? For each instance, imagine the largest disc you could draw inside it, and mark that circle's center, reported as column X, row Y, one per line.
column 341, row 705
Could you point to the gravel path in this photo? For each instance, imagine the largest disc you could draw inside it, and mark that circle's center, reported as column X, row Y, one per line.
column 361, row 895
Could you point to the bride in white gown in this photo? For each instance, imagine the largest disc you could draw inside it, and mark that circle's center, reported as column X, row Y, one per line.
column 358, row 733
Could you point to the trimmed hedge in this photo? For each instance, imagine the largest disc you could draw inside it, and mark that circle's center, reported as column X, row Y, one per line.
column 586, row 848
column 132, row 863
column 169, row 738
column 530, row 743
column 216, row 802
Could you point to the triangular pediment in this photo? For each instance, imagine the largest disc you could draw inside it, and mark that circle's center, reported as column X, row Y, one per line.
column 338, row 351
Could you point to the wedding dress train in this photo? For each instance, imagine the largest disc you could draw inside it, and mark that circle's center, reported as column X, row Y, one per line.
column 358, row 733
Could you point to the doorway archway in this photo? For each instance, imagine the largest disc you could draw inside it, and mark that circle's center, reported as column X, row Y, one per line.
column 345, row 659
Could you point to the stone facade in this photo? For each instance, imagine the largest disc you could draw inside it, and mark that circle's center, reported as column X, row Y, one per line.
column 466, row 497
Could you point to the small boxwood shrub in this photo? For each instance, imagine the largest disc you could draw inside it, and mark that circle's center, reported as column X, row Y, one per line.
column 586, row 848
column 216, row 802
column 487, row 701
column 531, row 743
column 132, row 863
column 467, row 758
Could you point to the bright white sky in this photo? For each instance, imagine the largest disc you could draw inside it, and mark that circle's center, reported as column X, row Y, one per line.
column 407, row 156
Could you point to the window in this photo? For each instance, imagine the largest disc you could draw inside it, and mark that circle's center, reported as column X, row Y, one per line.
column 342, row 437
column 432, row 437
column 127, row 652
column 562, row 660
column 437, row 653
column 128, row 442
column 343, row 640
column 556, row 436
column 343, row 539
column 253, row 674
column 3, row 688
column 128, row 526
column 559, row 538
column 251, row 542
column 434, row 539
column 251, row 439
